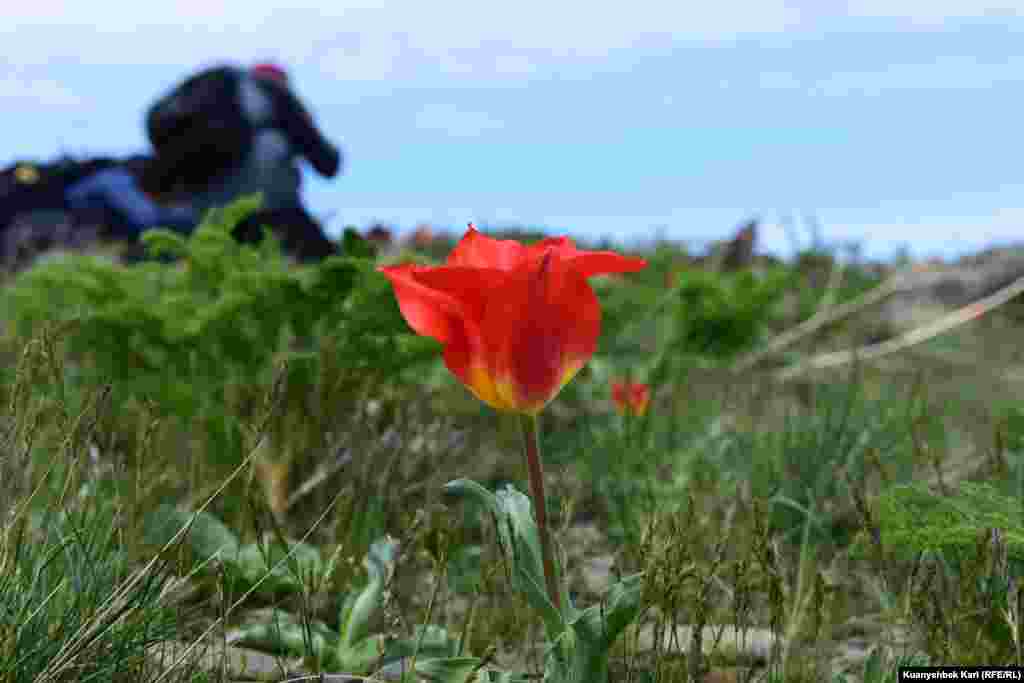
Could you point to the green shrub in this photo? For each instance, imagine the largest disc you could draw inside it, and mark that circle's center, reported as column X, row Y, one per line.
column 201, row 337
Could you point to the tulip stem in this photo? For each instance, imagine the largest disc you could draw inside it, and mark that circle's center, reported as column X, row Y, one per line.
column 531, row 443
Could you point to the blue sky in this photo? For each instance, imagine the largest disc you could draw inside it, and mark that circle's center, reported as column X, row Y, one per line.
column 891, row 122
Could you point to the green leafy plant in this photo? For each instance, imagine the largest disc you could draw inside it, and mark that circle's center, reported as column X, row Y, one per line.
column 579, row 640
column 913, row 519
column 349, row 648
column 270, row 568
column 200, row 337
column 719, row 315
column 967, row 548
column 267, row 567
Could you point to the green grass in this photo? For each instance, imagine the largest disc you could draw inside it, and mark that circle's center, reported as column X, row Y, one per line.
column 314, row 439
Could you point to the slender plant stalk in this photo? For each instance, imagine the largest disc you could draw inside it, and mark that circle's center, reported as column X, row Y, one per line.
column 915, row 336
column 531, row 446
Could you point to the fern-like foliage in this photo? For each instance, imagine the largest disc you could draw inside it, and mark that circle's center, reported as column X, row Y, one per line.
column 192, row 334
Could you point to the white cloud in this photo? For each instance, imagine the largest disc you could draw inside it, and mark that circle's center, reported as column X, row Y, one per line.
column 362, row 57
column 395, row 38
column 454, row 121
column 935, row 13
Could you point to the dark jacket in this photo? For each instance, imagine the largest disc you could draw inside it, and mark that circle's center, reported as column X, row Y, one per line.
column 295, row 121
column 214, row 130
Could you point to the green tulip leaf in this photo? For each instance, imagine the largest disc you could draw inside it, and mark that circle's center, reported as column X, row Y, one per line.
column 461, row 670
column 359, row 607
column 451, row 670
column 283, row 633
column 520, row 541
column 265, row 566
column 602, row 624
column 207, row 537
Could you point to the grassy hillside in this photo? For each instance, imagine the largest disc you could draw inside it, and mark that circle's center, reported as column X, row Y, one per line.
column 792, row 520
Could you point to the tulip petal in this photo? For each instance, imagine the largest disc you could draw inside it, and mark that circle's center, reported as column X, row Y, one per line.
column 477, row 250
column 471, row 287
column 480, row 251
column 619, row 396
column 428, row 311
column 591, row 263
column 587, row 263
column 540, row 332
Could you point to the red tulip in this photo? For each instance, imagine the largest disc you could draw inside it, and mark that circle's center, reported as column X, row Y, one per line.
column 517, row 322
column 632, row 396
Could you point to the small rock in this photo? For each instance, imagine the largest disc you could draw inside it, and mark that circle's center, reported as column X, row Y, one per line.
column 750, row 645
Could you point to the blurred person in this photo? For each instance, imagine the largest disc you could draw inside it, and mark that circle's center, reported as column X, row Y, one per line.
column 227, row 132
column 116, row 198
column 73, row 204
